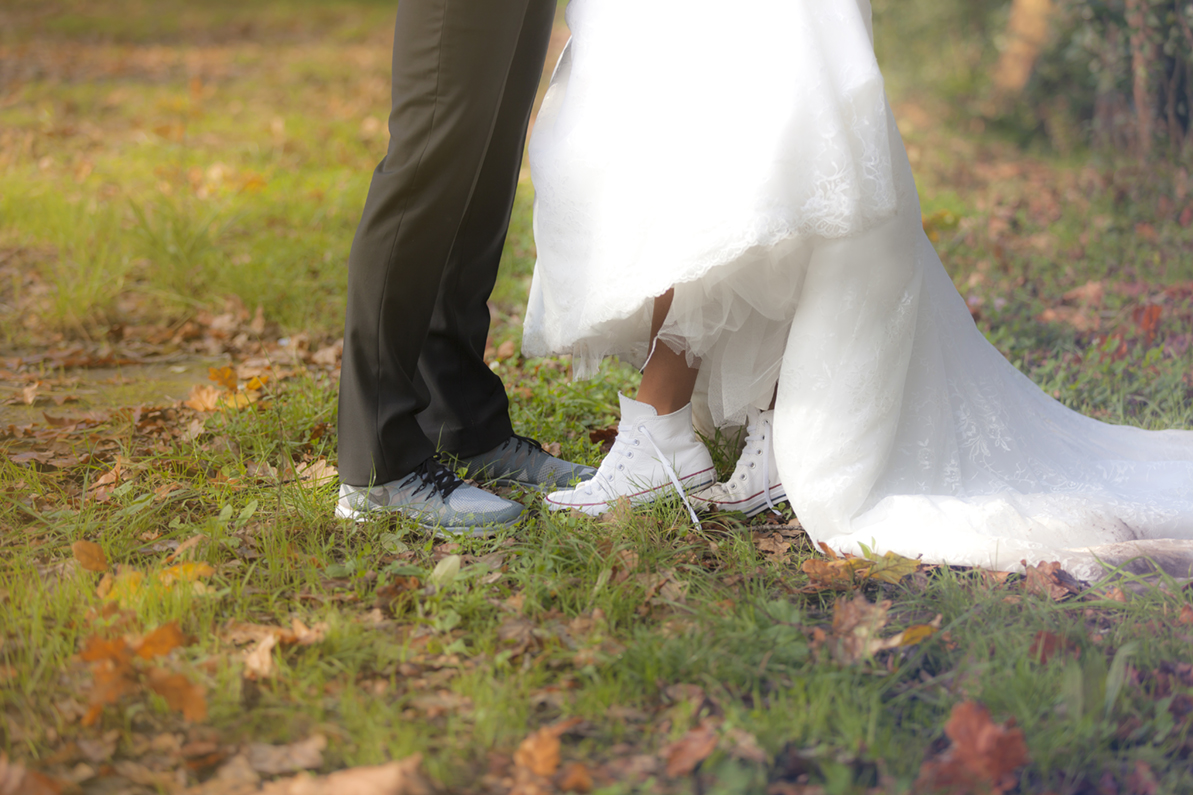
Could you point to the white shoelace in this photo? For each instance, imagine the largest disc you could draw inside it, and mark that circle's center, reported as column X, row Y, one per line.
column 670, row 470
column 764, row 437
column 603, row 480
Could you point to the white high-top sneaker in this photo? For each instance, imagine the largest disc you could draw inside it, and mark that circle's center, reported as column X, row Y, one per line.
column 755, row 482
column 652, row 457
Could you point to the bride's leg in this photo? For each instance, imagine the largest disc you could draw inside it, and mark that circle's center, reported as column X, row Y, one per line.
column 656, row 452
column 667, row 379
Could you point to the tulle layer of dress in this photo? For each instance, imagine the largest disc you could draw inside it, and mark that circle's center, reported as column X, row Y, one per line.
column 788, row 223
column 660, row 158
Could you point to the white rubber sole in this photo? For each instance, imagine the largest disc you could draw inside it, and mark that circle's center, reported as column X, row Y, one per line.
column 479, row 531
column 751, row 506
column 693, row 482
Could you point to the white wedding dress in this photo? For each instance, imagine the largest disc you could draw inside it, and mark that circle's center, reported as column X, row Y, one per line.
column 745, row 154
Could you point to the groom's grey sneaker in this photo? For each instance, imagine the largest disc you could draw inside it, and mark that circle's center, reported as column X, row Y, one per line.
column 521, row 461
column 434, row 497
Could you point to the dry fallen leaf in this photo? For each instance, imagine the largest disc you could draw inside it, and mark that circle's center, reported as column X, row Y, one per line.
column 745, row 746
column 112, row 674
column 394, row 778
column 274, row 759
column 574, row 777
column 203, row 398
column 258, row 662
column 162, row 641
column 190, row 571
column 16, row 779
column 539, row 752
column 308, row 636
column 180, row 693
column 856, row 623
column 224, row 376
column 892, row 568
column 90, row 555
column 983, row 756
column 1045, row 645
column 1050, row 580
column 690, row 750
column 317, row 473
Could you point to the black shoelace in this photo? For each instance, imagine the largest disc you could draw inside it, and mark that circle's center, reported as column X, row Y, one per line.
column 439, row 478
column 521, row 440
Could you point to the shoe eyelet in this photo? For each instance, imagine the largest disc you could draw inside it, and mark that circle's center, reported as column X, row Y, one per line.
column 629, row 455
column 753, row 465
column 637, row 443
column 621, row 466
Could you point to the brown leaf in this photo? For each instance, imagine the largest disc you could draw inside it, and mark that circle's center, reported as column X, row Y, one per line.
column 539, row 752
column 180, row 693
column 691, row 749
column 112, row 674
column 258, row 663
column 393, row 778
column 162, row 641
column 506, row 350
column 1186, row 616
column 1050, row 580
column 308, row 636
column 773, row 545
column 1079, row 319
column 836, row 574
column 856, row 624
column 1089, row 294
column 1046, row 645
column 983, row 756
column 745, row 746
column 1142, row 780
column 574, row 777
column 603, row 437
column 204, row 398
column 274, row 759
column 90, row 555
column 16, row 779
column 224, row 376
column 317, row 473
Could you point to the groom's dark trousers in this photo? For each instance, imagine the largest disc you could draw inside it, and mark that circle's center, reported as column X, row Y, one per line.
column 425, row 256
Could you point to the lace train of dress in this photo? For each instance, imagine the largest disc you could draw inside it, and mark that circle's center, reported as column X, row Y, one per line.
column 897, row 425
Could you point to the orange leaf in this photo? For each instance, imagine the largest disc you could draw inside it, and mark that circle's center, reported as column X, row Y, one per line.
column 838, row 574
column 574, row 777
column 224, row 376
column 90, row 555
column 163, row 640
column 100, row 649
column 180, row 693
column 691, row 749
column 539, row 752
column 1186, row 616
column 1046, row 645
column 203, row 397
column 16, row 779
column 1049, row 579
column 983, row 756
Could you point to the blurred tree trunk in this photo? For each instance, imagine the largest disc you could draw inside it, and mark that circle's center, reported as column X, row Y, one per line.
column 1027, row 32
column 1143, row 58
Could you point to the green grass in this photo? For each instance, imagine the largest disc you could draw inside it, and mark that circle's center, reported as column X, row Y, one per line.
column 156, row 164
